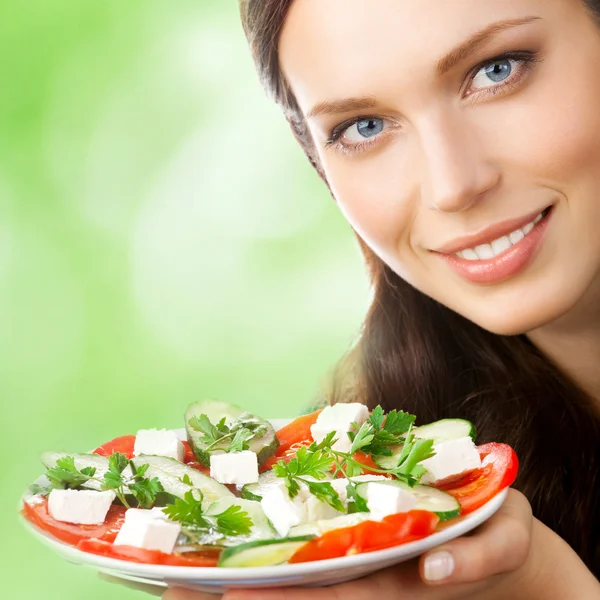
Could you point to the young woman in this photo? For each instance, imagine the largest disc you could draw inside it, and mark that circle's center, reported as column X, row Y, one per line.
column 461, row 140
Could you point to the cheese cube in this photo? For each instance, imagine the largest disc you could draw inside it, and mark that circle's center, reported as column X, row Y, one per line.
column 234, row 467
column 149, row 529
column 453, row 457
column 283, row 511
column 339, row 418
column 388, row 499
column 83, row 507
column 317, row 510
column 158, row 442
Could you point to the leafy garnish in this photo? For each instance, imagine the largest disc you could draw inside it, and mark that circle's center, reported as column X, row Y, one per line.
column 190, row 513
column 374, row 437
column 186, row 479
column 356, row 503
column 66, row 475
column 240, row 432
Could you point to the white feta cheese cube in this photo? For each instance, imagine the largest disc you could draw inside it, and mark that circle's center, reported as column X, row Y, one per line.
column 83, row 507
column 149, row 529
column 339, row 418
column 452, row 458
column 158, row 442
column 387, row 499
column 234, row 467
column 317, row 510
column 283, row 511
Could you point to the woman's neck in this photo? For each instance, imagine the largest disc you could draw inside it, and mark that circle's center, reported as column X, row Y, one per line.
column 573, row 344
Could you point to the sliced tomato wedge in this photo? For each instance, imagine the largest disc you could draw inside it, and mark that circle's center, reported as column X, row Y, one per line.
column 291, row 437
column 123, row 444
column 499, row 468
column 369, row 536
column 154, row 557
column 35, row 511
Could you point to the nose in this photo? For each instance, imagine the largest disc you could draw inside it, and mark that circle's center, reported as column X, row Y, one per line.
column 457, row 172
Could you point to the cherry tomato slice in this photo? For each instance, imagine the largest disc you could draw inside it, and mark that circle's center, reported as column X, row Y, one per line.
column 35, row 511
column 154, row 557
column 291, row 437
column 369, row 536
column 123, row 444
column 499, row 468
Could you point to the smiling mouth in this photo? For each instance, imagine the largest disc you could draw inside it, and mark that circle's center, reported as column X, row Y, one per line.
column 500, row 245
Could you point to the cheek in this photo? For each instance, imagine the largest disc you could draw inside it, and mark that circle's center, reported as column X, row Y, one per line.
column 376, row 196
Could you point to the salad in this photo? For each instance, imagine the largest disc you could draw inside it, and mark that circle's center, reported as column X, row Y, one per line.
column 233, row 492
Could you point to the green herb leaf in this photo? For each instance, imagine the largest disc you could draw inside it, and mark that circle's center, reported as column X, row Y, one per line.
column 66, row 475
column 146, row 490
column 377, row 418
column 325, row 492
column 187, row 510
column 186, row 479
column 240, row 440
column 234, row 521
column 113, row 478
column 356, row 503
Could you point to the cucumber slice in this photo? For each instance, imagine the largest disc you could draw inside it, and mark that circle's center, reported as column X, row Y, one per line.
column 428, row 498
column 171, row 472
column 100, row 463
column 264, row 553
column 322, row 526
column 264, row 446
column 255, row 491
column 446, row 430
column 261, row 526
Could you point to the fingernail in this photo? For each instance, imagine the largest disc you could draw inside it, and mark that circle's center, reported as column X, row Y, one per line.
column 438, row 566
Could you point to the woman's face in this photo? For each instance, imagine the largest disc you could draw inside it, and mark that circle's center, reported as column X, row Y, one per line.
column 445, row 126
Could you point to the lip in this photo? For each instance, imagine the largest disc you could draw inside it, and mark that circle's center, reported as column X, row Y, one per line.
column 505, row 265
column 487, row 234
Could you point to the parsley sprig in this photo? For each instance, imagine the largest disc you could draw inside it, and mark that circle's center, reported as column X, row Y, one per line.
column 66, row 475
column 240, row 432
column 197, row 522
column 374, row 437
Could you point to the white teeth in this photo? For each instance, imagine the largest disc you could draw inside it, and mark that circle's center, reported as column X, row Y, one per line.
column 516, row 236
column 470, row 254
column 499, row 246
column 484, row 252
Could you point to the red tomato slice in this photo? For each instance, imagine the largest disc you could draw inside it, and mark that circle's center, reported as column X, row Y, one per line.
column 369, row 536
column 154, row 557
column 499, row 467
column 123, row 444
column 291, row 437
column 36, row 511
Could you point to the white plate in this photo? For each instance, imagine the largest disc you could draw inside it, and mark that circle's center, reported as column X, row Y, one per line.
column 319, row 573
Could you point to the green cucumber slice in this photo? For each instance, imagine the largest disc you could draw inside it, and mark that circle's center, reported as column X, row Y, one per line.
column 264, row 553
column 264, row 446
column 255, row 491
column 171, row 473
column 446, row 430
column 322, row 526
column 428, row 498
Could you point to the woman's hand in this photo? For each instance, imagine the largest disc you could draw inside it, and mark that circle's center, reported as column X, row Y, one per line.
column 512, row 555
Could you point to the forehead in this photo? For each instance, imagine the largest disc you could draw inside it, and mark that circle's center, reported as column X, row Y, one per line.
column 353, row 48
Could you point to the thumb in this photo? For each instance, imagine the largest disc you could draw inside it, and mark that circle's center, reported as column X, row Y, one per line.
column 500, row 545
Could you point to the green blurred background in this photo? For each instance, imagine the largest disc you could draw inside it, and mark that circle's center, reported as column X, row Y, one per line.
column 162, row 239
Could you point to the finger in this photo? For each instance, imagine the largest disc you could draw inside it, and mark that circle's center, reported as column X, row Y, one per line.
column 500, row 545
column 176, row 593
column 153, row 590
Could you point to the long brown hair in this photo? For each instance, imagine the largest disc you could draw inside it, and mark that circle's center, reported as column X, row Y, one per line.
column 419, row 356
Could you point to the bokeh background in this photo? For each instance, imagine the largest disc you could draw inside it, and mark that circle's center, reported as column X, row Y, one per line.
column 162, row 239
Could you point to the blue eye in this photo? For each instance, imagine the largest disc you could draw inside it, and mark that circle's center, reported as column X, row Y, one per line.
column 364, row 129
column 494, row 72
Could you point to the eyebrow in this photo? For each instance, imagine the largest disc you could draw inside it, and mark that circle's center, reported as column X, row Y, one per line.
column 445, row 64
